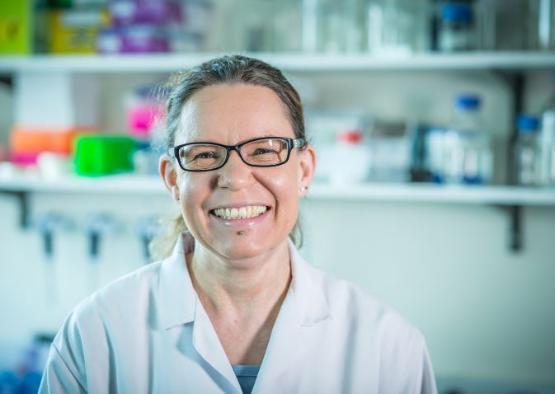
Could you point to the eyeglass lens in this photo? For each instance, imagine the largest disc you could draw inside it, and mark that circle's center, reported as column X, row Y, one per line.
column 264, row 152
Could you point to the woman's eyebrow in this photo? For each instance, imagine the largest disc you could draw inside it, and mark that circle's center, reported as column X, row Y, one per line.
column 262, row 135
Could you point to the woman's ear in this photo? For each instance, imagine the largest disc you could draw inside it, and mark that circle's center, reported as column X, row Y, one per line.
column 168, row 174
column 307, row 162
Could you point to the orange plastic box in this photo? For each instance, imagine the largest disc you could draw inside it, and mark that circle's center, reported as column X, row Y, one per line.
column 25, row 140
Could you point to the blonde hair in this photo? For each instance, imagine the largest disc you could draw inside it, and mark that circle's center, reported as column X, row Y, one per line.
column 225, row 69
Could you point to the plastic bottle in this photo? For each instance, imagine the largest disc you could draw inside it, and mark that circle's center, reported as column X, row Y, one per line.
column 351, row 158
column 468, row 156
column 527, row 151
column 456, row 29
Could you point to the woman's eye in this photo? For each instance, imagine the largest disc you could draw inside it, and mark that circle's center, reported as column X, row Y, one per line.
column 262, row 151
column 205, row 155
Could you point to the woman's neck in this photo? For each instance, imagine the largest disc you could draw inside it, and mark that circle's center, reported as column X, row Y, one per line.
column 240, row 288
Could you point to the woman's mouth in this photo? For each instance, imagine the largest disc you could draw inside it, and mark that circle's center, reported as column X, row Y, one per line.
column 240, row 213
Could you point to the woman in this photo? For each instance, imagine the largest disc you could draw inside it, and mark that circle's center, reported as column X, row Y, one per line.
column 235, row 308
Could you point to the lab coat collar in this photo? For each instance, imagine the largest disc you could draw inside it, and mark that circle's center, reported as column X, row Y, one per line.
column 176, row 295
column 309, row 298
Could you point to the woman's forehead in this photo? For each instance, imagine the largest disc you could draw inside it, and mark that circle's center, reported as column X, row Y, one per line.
column 228, row 112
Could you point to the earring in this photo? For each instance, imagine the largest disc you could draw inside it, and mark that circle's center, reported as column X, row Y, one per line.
column 303, row 189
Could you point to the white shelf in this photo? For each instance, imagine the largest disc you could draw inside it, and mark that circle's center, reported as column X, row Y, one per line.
column 287, row 61
column 430, row 193
column 116, row 184
column 425, row 193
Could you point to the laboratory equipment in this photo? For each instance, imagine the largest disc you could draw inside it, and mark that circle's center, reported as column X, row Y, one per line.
column 141, row 26
column 143, row 111
column 16, row 27
column 75, row 30
column 149, row 12
column 462, row 152
column 546, row 24
column 527, row 151
column 27, row 374
column 325, row 126
column 351, row 158
column 132, row 39
column 265, row 26
column 53, row 165
column 547, row 142
column 147, row 228
column 456, row 28
column 26, row 144
column 513, row 25
column 48, row 225
column 389, row 148
column 98, row 226
column 419, row 165
column 98, row 154
column 341, row 26
column 396, row 27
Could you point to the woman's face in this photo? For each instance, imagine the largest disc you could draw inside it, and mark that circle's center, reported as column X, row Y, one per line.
column 230, row 114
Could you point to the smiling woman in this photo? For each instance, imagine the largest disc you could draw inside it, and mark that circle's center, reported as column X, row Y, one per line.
column 234, row 307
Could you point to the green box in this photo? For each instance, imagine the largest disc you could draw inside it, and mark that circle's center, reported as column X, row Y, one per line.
column 15, row 27
column 97, row 155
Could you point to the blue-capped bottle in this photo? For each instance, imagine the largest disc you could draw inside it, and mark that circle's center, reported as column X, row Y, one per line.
column 468, row 157
column 456, row 28
column 527, row 151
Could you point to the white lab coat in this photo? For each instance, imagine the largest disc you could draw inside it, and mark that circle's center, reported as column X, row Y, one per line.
column 148, row 333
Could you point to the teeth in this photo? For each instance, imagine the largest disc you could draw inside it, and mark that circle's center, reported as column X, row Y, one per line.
column 250, row 211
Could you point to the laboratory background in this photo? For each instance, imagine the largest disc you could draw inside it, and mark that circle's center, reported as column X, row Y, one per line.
column 434, row 123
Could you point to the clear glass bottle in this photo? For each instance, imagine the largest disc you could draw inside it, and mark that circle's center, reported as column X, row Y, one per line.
column 261, row 26
column 545, row 13
column 398, row 27
column 527, row 151
column 456, row 28
column 341, row 26
column 539, row 21
column 547, row 141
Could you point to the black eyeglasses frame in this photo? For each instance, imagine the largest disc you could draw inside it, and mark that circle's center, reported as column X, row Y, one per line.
column 291, row 143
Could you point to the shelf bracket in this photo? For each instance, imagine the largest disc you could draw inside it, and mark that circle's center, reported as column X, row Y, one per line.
column 23, row 200
column 516, row 81
column 515, row 233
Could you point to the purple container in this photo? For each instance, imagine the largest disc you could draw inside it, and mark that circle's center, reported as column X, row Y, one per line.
column 153, row 12
column 133, row 39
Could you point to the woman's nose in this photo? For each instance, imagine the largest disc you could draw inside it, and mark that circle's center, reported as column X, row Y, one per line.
column 235, row 174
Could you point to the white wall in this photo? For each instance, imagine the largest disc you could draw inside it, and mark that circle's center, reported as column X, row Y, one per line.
column 485, row 312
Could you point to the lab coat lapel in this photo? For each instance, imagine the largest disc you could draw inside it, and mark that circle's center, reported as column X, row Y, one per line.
column 304, row 307
column 208, row 345
column 175, row 289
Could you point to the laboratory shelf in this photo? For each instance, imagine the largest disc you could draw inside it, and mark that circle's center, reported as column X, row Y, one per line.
column 426, row 193
column 116, row 184
column 430, row 193
column 295, row 62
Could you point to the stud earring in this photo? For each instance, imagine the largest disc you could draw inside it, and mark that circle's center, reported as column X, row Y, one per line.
column 176, row 194
column 303, row 189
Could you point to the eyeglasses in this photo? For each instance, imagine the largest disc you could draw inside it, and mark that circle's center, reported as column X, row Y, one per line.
column 257, row 152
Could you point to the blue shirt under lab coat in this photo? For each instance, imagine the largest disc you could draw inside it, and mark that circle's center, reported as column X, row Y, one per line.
column 148, row 333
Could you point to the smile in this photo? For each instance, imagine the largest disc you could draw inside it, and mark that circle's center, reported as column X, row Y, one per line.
column 246, row 212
